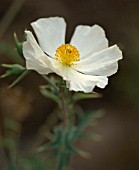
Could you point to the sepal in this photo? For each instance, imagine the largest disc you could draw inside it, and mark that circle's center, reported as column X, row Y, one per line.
column 19, row 45
column 82, row 96
column 13, row 69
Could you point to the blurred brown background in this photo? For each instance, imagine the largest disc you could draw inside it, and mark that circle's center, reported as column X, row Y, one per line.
column 119, row 128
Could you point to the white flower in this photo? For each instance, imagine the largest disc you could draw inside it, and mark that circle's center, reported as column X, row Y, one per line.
column 84, row 63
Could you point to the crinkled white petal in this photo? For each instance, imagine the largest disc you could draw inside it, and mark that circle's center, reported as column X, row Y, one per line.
column 79, row 82
column 89, row 39
column 103, row 63
column 50, row 33
column 35, row 57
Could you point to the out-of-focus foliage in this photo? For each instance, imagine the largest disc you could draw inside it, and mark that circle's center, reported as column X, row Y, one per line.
column 13, row 69
column 16, row 104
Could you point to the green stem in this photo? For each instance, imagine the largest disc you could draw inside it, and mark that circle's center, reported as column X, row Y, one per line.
column 62, row 151
column 60, row 164
column 19, row 78
column 65, row 110
column 49, row 81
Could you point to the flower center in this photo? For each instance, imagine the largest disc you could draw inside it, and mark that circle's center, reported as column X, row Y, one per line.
column 67, row 54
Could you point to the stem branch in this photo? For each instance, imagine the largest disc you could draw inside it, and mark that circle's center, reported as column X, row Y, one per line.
column 65, row 111
column 19, row 78
column 49, row 81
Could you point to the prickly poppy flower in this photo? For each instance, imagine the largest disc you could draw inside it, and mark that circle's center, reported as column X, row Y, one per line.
column 84, row 63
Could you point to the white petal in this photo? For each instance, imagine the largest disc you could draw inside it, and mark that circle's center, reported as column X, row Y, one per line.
column 80, row 82
column 103, row 63
column 89, row 39
column 35, row 57
column 85, row 83
column 50, row 33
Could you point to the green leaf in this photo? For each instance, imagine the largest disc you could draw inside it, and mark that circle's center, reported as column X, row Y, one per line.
column 82, row 96
column 54, row 143
column 87, row 120
column 83, row 154
column 48, row 92
column 95, row 137
column 19, row 79
column 13, row 69
column 44, row 147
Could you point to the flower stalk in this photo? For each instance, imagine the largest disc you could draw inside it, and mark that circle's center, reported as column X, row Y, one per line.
column 63, row 157
column 19, row 79
column 50, row 82
column 65, row 110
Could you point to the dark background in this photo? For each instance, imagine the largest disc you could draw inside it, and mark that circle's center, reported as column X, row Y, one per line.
column 119, row 128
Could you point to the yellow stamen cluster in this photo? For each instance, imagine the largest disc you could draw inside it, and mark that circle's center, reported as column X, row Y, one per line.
column 67, row 54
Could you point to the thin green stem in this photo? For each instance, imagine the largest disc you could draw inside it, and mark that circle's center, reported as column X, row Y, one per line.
column 49, row 81
column 19, row 78
column 62, row 153
column 65, row 110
